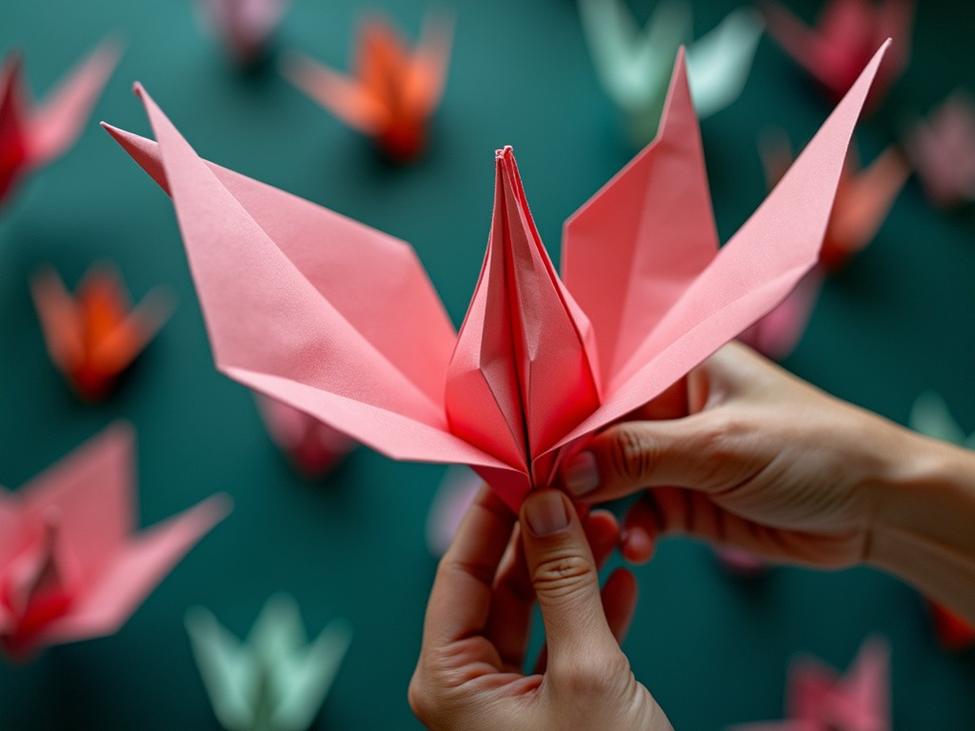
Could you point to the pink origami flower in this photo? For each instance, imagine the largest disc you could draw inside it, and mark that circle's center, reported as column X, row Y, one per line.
column 312, row 446
column 244, row 26
column 340, row 320
column 70, row 566
column 942, row 150
column 33, row 135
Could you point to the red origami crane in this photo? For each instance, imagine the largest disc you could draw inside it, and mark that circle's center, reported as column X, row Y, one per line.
column 954, row 633
column 821, row 700
column 95, row 335
column 393, row 90
column 71, row 567
column 844, row 39
column 34, row 135
column 339, row 320
column 942, row 150
column 312, row 446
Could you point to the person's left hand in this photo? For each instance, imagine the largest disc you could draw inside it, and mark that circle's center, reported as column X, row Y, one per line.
column 469, row 675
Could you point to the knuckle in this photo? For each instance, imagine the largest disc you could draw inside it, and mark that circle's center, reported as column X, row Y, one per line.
column 723, row 433
column 632, row 453
column 563, row 575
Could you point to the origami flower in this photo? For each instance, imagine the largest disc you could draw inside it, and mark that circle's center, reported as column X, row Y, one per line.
column 277, row 681
column 312, row 446
column 844, row 39
column 244, row 26
column 821, row 700
column 634, row 65
column 33, row 135
column 393, row 91
column 340, row 320
column 70, row 566
column 942, row 150
column 95, row 335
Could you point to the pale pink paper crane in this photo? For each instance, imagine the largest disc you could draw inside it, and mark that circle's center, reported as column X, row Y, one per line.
column 244, row 26
column 340, row 321
column 312, row 446
column 71, row 566
column 32, row 135
column 942, row 150
column 819, row 699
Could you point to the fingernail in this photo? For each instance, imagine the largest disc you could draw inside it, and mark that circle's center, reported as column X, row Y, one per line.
column 545, row 512
column 581, row 475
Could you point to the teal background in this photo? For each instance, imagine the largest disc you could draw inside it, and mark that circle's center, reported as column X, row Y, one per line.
column 713, row 650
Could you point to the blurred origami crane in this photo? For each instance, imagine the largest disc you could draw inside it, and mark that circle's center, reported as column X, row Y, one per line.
column 340, row 320
column 634, row 65
column 393, row 91
column 778, row 333
column 821, row 700
column 70, row 566
column 244, row 26
column 942, row 151
column 93, row 337
column 455, row 494
column 845, row 36
column 277, row 681
column 312, row 446
column 33, row 135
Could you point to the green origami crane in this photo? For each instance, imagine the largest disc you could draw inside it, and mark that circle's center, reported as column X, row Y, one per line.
column 634, row 65
column 277, row 681
column 930, row 416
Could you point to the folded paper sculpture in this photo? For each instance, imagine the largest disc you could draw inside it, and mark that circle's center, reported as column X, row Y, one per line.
column 244, row 26
column 340, row 320
column 392, row 92
column 278, row 680
column 844, row 38
column 821, row 700
column 634, row 65
column 942, row 151
column 312, row 446
column 778, row 333
column 95, row 335
column 71, row 567
column 32, row 135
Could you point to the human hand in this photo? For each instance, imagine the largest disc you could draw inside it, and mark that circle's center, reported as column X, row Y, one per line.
column 469, row 675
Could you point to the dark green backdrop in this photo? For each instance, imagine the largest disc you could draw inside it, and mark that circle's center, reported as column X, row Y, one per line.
column 712, row 650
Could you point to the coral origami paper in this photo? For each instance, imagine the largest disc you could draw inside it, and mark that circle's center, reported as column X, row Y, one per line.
column 277, row 680
column 844, row 38
column 942, row 151
column 32, row 135
column 393, row 90
column 244, row 26
column 71, row 566
column 341, row 321
column 634, row 65
column 821, row 700
column 313, row 447
column 93, row 336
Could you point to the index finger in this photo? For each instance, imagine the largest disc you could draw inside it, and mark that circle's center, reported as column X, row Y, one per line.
column 461, row 596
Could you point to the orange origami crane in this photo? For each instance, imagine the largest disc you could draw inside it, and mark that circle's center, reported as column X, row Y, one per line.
column 846, row 34
column 70, row 566
column 393, row 91
column 32, row 136
column 339, row 320
column 93, row 337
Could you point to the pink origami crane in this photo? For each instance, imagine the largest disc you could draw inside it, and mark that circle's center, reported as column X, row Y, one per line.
column 844, row 40
column 95, row 335
column 778, row 333
column 245, row 26
column 70, row 566
column 393, row 91
column 339, row 320
column 942, row 150
column 821, row 700
column 34, row 135
column 313, row 447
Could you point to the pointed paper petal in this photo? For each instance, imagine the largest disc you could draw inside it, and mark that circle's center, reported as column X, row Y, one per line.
column 864, row 702
column 60, row 320
column 635, row 246
column 718, row 63
column 343, row 96
column 114, row 353
column 56, row 124
column 227, row 668
column 130, row 577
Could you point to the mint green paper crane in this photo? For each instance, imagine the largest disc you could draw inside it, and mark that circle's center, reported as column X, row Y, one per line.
column 634, row 64
column 276, row 681
column 931, row 417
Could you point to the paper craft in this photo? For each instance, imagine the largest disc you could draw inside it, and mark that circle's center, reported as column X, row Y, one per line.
column 312, row 446
column 634, row 65
column 942, row 150
column 843, row 39
column 778, row 333
column 32, row 135
column 71, row 567
column 95, row 335
column 954, row 633
column 340, row 320
column 821, row 700
column 454, row 496
column 277, row 681
column 393, row 90
column 244, row 26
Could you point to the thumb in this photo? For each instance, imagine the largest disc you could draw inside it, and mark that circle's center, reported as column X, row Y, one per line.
column 565, row 579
